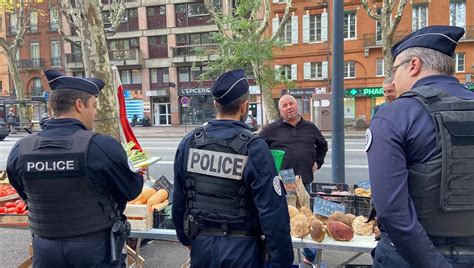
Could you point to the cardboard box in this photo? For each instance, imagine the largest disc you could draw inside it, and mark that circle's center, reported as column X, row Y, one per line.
column 139, row 216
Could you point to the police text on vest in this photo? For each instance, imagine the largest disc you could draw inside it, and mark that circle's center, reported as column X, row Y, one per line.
column 41, row 166
column 224, row 165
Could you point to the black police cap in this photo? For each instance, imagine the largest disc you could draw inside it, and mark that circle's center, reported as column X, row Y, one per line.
column 58, row 80
column 230, row 86
column 438, row 37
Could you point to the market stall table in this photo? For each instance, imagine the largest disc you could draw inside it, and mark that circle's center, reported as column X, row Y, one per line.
column 359, row 245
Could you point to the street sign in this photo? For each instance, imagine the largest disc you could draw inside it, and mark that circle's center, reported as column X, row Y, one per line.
column 185, row 101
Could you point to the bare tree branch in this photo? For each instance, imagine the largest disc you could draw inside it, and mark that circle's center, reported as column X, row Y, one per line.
column 210, row 8
column 398, row 16
column 283, row 21
column 21, row 25
column 117, row 10
column 266, row 18
column 369, row 11
column 69, row 14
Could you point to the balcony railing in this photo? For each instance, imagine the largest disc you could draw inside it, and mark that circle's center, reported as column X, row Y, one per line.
column 31, row 64
column 370, row 40
column 193, row 50
column 125, row 56
column 74, row 60
column 56, row 61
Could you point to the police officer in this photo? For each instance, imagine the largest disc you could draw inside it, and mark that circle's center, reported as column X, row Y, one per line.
column 420, row 151
column 227, row 193
column 76, row 182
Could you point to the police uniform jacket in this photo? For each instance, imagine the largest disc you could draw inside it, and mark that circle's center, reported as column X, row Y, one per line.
column 269, row 209
column 402, row 134
column 106, row 166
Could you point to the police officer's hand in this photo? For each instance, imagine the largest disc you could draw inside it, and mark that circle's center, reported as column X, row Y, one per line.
column 315, row 167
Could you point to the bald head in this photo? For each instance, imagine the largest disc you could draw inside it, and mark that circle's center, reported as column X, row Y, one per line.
column 288, row 109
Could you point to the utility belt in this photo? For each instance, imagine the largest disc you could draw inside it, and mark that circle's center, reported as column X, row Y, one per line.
column 99, row 235
column 459, row 254
column 231, row 233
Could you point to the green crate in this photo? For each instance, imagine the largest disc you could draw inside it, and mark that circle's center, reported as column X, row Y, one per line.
column 278, row 156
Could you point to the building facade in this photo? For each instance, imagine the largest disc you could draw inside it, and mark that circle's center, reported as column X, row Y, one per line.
column 4, row 78
column 42, row 49
column 306, row 57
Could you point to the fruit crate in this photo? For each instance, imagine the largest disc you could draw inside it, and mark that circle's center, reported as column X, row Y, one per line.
column 161, row 220
column 139, row 216
column 328, row 188
column 362, row 205
column 346, row 200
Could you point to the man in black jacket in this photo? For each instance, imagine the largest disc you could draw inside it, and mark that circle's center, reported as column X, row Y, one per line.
column 303, row 143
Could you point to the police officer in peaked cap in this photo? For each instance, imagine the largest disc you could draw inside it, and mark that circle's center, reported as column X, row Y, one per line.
column 227, row 193
column 420, row 150
column 76, row 182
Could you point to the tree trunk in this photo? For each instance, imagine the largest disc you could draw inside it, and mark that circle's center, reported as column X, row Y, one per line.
column 268, row 105
column 97, row 64
column 17, row 84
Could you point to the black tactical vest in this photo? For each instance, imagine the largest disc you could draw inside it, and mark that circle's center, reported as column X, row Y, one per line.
column 216, row 194
column 442, row 189
column 62, row 201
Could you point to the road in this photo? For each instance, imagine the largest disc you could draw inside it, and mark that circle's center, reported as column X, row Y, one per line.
column 14, row 243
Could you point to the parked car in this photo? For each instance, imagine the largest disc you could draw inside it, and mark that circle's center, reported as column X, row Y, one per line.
column 4, row 129
column 251, row 122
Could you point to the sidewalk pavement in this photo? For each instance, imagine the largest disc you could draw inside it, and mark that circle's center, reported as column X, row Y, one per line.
column 181, row 131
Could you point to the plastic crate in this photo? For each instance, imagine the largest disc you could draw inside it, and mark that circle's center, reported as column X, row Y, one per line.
column 346, row 200
column 161, row 220
column 363, row 206
column 328, row 188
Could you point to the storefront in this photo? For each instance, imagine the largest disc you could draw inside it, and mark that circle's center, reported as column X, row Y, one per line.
column 303, row 98
column 196, row 105
column 360, row 102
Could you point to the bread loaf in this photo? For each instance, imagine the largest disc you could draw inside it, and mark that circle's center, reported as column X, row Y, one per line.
column 299, row 226
column 361, row 227
column 317, row 230
column 339, row 231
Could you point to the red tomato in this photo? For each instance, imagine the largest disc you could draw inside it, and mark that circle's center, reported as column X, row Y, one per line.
column 10, row 192
column 23, row 209
column 10, row 205
column 25, row 212
column 11, row 210
column 20, row 206
column 19, row 201
column 2, row 210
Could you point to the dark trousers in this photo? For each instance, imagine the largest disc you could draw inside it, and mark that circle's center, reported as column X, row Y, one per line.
column 218, row 251
column 57, row 253
column 386, row 255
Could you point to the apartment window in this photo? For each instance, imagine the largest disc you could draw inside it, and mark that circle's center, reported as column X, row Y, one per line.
column 120, row 44
column 459, row 62
column 160, row 76
column 13, row 23
column 316, row 70
column 34, row 51
column 380, row 67
column 349, row 69
column 184, row 74
column 191, row 14
column 457, row 13
column 53, row 21
column 285, row 72
column 136, row 76
column 156, row 17
column 158, row 46
column 129, row 20
column 55, row 53
column 315, row 28
column 349, row 25
column 126, row 77
column 33, row 21
column 285, row 36
column 419, row 17
column 37, row 88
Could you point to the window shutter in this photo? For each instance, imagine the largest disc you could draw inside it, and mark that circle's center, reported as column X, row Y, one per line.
column 294, row 29
column 307, row 71
column 324, row 26
column 294, row 72
column 325, row 70
column 306, row 28
column 275, row 23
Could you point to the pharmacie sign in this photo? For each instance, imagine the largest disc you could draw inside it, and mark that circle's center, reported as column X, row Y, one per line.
column 364, row 92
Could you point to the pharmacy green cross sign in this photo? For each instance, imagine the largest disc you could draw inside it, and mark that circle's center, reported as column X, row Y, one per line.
column 364, row 92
